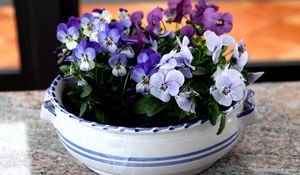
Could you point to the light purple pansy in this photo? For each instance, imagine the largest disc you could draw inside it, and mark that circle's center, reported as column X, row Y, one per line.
column 67, row 35
column 127, row 50
column 124, row 18
column 118, row 62
column 101, row 27
column 215, row 43
column 168, row 61
column 109, row 40
column 228, row 87
column 166, row 84
column 239, row 56
column 89, row 24
column 141, row 72
column 85, row 55
column 220, row 23
column 185, row 103
column 177, row 9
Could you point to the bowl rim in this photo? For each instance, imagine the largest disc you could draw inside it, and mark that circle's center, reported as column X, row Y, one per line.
column 52, row 93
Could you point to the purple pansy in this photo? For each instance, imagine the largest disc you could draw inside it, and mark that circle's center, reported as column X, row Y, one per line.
column 102, row 15
column 228, row 87
column 109, row 40
column 127, row 50
column 188, row 31
column 85, row 55
column 215, row 43
column 166, row 84
column 197, row 14
column 239, row 56
column 177, row 9
column 101, row 27
column 118, row 62
column 136, row 19
column 73, row 21
column 154, row 18
column 185, row 103
column 67, row 35
column 168, row 61
column 220, row 23
column 141, row 72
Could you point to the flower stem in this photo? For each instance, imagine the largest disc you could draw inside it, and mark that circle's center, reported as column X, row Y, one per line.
column 124, row 86
column 164, row 25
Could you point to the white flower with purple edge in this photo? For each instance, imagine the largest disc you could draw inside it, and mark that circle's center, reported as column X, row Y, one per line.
column 166, row 84
column 89, row 24
column 118, row 62
column 67, row 35
column 85, row 56
column 215, row 43
column 124, row 18
column 240, row 56
column 228, row 87
column 102, row 14
column 185, row 102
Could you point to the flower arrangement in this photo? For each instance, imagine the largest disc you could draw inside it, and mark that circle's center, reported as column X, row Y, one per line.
column 124, row 72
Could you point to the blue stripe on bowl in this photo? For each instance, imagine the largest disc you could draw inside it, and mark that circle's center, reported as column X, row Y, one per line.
column 144, row 159
column 129, row 164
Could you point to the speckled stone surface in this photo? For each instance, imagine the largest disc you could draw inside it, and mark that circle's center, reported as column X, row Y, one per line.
column 271, row 146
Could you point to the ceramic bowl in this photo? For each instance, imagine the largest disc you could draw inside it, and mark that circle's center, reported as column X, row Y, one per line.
column 183, row 149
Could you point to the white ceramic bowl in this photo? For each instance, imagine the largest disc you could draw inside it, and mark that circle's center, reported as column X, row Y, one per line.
column 172, row 150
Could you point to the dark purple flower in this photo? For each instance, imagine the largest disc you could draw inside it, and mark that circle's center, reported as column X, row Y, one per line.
column 73, row 21
column 116, row 25
column 197, row 14
column 188, row 31
column 177, row 9
column 220, row 23
column 154, row 18
column 136, row 19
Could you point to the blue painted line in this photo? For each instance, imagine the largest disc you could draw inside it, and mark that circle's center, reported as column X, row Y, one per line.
column 108, row 156
column 128, row 164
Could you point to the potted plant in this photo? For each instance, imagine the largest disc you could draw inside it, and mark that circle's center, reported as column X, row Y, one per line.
column 137, row 98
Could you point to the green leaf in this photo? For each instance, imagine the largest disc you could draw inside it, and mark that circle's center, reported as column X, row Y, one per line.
column 100, row 116
column 148, row 105
column 222, row 124
column 200, row 71
column 213, row 111
column 65, row 69
column 86, row 91
column 83, row 108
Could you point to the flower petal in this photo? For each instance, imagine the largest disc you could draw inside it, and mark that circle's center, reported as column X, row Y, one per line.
column 114, row 35
column 173, row 88
column 157, row 79
column 90, row 53
column 237, row 93
column 176, row 76
column 162, row 95
column 221, row 98
column 71, row 44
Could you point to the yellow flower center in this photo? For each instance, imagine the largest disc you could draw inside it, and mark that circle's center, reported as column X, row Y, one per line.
column 109, row 41
column 146, row 80
column 220, row 22
column 70, row 38
column 90, row 27
column 226, row 90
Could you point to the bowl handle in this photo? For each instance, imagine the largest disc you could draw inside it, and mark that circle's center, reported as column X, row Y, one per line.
column 48, row 109
column 249, row 114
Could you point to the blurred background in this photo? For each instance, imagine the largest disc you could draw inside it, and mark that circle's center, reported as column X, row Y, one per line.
column 270, row 28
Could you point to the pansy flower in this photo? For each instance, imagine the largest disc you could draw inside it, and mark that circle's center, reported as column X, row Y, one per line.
column 102, row 14
column 154, row 18
column 220, row 23
column 166, row 84
column 197, row 14
column 89, row 24
column 215, row 43
column 124, row 18
column 228, row 87
column 239, row 56
column 185, row 102
column 177, row 9
column 118, row 62
column 109, row 40
column 85, row 55
column 67, row 35
column 144, row 69
column 136, row 19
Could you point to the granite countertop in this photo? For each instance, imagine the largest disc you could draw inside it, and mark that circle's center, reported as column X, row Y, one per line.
column 29, row 145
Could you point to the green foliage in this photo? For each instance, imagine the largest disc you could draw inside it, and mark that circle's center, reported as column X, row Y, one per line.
column 213, row 112
column 222, row 124
column 148, row 105
column 86, row 91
